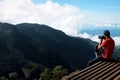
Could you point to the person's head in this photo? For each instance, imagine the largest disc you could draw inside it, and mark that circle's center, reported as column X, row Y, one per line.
column 106, row 33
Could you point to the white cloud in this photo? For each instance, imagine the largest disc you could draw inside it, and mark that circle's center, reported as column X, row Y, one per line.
column 95, row 38
column 117, row 40
column 85, row 35
column 66, row 18
column 88, row 36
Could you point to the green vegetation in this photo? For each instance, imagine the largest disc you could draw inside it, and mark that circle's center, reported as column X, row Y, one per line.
column 13, row 75
column 3, row 78
column 47, row 74
column 56, row 74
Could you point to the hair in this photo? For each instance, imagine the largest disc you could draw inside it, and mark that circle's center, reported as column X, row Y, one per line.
column 107, row 33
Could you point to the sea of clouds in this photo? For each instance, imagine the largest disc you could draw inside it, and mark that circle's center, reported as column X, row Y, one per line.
column 67, row 18
column 95, row 38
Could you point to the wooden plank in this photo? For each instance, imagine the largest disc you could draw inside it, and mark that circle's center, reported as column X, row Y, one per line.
column 99, row 72
column 113, row 75
column 112, row 66
column 94, row 71
column 88, row 70
column 117, row 78
column 92, row 66
column 110, row 73
column 67, row 77
column 75, row 73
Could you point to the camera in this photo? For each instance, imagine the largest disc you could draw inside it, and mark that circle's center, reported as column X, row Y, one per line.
column 101, row 37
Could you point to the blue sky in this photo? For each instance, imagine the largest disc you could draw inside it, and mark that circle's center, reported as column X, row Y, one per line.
column 108, row 10
column 101, row 6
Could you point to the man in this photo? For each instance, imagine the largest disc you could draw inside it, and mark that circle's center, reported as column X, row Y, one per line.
column 108, row 44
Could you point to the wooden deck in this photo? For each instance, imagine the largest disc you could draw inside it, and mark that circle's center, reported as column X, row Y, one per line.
column 97, row 71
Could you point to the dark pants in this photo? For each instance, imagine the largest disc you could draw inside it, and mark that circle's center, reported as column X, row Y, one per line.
column 96, row 60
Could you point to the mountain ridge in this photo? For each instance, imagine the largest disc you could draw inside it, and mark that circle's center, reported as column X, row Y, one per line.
column 43, row 46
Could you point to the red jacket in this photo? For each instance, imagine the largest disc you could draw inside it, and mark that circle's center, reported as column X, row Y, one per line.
column 109, row 45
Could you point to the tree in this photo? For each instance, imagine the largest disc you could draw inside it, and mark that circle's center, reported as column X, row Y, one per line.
column 3, row 78
column 46, row 74
column 13, row 75
column 58, row 72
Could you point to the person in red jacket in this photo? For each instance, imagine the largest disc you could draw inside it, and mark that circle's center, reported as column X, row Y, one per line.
column 108, row 44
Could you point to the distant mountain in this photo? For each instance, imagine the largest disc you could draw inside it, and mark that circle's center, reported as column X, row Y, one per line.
column 35, row 47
